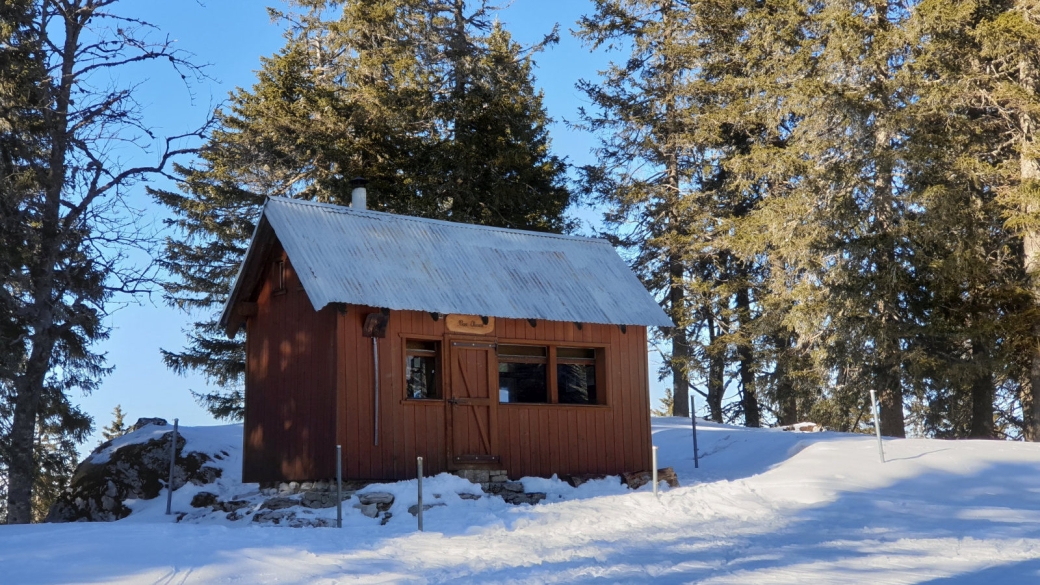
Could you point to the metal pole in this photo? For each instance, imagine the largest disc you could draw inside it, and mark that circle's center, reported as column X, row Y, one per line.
column 419, row 462
column 655, row 470
column 173, row 458
column 693, row 420
column 375, row 360
column 339, row 486
column 877, row 426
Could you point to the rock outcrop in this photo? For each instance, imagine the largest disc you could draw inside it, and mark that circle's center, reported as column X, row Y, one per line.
column 107, row 478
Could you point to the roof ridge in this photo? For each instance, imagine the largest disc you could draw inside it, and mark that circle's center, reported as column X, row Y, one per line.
column 455, row 224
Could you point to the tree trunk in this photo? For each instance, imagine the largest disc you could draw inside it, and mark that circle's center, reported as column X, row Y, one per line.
column 745, row 353
column 716, row 371
column 1029, row 171
column 680, row 341
column 982, row 392
column 785, row 397
column 21, row 469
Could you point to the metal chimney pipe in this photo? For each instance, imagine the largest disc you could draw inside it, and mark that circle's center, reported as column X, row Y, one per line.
column 359, row 196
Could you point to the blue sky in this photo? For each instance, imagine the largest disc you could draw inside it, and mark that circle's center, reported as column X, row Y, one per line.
column 231, row 36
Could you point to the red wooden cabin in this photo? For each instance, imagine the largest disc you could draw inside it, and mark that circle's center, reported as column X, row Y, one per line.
column 473, row 347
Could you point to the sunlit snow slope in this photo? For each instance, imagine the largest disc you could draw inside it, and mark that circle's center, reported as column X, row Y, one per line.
column 766, row 506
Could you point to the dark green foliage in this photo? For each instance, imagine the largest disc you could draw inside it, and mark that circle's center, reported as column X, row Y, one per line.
column 433, row 104
column 116, row 428
column 832, row 198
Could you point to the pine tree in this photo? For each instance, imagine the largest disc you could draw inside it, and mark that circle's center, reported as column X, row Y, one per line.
column 434, row 105
column 667, row 404
column 116, row 428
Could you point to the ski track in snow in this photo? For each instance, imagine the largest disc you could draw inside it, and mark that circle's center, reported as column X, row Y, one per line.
column 766, row 506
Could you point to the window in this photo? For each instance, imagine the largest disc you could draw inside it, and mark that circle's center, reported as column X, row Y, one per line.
column 522, row 374
column 576, row 375
column 279, row 268
column 420, row 370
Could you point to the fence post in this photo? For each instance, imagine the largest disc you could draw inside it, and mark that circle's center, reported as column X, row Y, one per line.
column 419, row 463
column 877, row 425
column 339, row 486
column 173, row 458
column 693, row 420
column 655, row 470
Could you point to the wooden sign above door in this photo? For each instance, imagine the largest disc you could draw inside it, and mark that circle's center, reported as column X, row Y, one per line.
column 474, row 324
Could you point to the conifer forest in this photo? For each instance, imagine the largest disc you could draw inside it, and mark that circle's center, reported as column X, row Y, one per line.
column 827, row 197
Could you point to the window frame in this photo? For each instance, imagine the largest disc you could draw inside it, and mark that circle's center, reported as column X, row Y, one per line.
column 513, row 359
column 438, row 357
column 603, row 383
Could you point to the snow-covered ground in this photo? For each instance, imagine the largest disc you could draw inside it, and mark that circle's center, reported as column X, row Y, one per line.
column 766, row 506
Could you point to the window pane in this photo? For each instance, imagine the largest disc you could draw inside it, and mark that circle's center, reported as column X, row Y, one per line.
column 421, row 377
column 576, row 383
column 522, row 351
column 522, row 383
column 578, row 353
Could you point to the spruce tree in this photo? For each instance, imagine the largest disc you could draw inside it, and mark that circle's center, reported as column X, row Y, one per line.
column 433, row 104
column 116, row 428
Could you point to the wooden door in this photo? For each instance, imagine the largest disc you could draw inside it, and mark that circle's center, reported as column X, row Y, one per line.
column 472, row 414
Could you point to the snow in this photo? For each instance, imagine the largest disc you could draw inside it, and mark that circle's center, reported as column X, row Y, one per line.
column 766, row 506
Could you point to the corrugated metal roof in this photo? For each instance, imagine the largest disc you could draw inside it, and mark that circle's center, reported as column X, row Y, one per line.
column 408, row 263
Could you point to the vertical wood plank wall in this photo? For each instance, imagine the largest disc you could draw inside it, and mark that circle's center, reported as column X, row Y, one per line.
column 535, row 440
column 306, row 369
column 290, row 385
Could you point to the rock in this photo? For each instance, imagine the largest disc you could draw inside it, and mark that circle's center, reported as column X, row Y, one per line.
column 475, row 475
column 143, row 422
column 273, row 516
column 106, row 479
column 414, row 508
column 382, row 500
column 579, row 479
column 278, row 503
column 638, row 479
column 203, row 500
column 370, row 510
column 668, row 476
column 469, row 496
column 314, row 499
column 306, row 486
column 523, row 498
column 499, row 477
column 513, row 486
column 232, row 505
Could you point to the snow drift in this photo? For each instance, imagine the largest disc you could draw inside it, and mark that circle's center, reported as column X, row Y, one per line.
column 766, row 506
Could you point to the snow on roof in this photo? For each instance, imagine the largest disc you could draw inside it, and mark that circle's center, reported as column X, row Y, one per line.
column 376, row 259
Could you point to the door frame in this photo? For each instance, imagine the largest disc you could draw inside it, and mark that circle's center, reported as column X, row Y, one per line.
column 452, row 404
